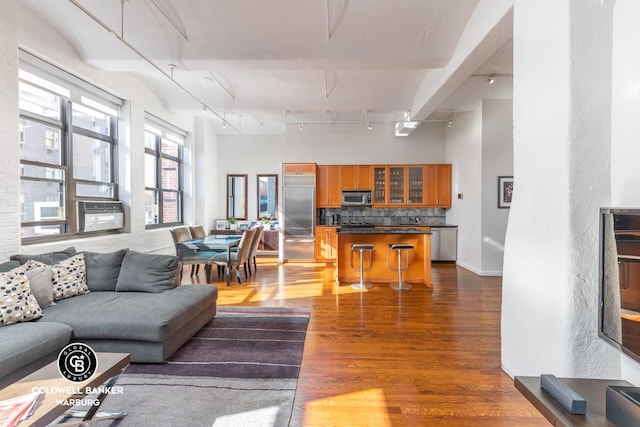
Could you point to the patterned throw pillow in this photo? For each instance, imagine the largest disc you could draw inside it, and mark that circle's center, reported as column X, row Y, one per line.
column 69, row 277
column 17, row 303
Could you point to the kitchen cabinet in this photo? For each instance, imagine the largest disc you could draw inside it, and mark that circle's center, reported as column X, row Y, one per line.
column 298, row 168
column 326, row 244
column 328, row 186
column 355, row 177
column 398, row 185
column 380, row 185
column 426, row 185
column 438, row 185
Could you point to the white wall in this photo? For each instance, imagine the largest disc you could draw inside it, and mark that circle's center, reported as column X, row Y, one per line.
column 497, row 160
column 9, row 161
column 625, row 126
column 480, row 146
column 561, row 148
column 253, row 155
column 464, row 151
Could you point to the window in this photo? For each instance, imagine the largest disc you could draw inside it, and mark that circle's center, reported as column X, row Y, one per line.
column 67, row 137
column 163, row 173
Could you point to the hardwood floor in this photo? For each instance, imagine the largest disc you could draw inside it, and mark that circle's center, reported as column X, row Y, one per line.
column 421, row 357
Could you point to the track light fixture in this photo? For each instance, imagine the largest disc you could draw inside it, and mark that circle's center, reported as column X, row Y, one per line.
column 491, row 79
column 301, row 126
column 369, row 125
column 224, row 120
column 450, row 123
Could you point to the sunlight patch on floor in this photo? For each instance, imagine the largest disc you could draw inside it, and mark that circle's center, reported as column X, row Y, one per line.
column 369, row 405
column 263, row 417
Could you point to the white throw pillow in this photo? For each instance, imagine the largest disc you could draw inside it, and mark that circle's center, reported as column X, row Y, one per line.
column 17, row 303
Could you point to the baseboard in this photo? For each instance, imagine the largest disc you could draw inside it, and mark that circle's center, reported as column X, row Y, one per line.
column 479, row 272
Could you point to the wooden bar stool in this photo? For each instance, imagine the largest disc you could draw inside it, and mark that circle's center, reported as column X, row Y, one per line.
column 362, row 248
column 399, row 247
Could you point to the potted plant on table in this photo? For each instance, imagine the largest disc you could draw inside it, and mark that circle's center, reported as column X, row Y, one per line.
column 266, row 222
column 233, row 224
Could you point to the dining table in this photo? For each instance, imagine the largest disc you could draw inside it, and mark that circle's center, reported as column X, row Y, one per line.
column 214, row 242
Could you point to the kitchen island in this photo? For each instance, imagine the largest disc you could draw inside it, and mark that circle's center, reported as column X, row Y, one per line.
column 419, row 270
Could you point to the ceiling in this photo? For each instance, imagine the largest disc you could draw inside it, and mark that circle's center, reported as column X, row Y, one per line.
column 255, row 66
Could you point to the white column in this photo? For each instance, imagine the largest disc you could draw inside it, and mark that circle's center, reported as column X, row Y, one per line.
column 9, row 112
column 562, row 110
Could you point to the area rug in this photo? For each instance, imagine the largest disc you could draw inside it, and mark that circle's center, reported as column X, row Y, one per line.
column 240, row 342
column 240, row 370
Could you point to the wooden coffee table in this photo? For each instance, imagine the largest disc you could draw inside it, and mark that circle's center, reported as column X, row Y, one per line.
column 58, row 388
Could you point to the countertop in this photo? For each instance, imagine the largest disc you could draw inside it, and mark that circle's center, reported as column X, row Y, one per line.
column 380, row 230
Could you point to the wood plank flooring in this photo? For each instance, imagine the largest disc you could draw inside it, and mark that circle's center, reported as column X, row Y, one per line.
column 381, row 358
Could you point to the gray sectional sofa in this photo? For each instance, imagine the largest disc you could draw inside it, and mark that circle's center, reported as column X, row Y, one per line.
column 133, row 304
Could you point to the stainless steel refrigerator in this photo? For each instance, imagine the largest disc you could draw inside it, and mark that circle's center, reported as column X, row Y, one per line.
column 299, row 217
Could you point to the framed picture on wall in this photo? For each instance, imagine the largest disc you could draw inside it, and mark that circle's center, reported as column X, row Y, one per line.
column 505, row 191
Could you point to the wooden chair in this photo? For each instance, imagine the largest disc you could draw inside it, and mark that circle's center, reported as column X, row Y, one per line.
column 191, row 256
column 237, row 258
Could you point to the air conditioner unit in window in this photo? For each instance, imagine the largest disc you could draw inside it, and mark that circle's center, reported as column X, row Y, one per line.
column 99, row 216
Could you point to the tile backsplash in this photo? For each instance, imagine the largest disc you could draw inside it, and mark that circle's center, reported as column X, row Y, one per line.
column 384, row 216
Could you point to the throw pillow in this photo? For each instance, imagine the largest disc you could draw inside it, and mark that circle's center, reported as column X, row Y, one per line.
column 69, row 277
column 147, row 272
column 40, row 283
column 17, row 303
column 49, row 258
column 103, row 269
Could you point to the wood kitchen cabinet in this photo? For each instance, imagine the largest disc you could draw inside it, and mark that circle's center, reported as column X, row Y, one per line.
column 380, row 186
column 328, row 186
column 438, row 185
column 326, row 244
column 298, row 168
column 398, row 185
column 355, row 177
column 420, row 185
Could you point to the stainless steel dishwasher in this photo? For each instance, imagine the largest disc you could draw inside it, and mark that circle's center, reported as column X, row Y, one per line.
column 444, row 243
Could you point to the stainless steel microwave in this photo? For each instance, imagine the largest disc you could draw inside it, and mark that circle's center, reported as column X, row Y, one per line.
column 356, row 198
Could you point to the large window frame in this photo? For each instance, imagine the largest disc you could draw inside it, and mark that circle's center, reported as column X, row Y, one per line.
column 164, row 174
column 63, row 159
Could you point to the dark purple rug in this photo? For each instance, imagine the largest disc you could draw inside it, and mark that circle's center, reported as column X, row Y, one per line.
column 240, row 342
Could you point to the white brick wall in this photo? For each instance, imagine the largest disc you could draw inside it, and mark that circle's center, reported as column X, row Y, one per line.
column 9, row 160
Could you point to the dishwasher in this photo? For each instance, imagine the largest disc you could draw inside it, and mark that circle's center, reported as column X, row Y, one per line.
column 444, row 243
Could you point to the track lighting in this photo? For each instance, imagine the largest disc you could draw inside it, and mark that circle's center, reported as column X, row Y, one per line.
column 369, row 125
column 301, row 126
column 491, row 79
column 450, row 123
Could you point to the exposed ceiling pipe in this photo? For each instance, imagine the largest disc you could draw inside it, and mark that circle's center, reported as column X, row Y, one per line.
column 150, row 62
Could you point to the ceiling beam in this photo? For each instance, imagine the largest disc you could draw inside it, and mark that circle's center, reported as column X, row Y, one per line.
column 490, row 26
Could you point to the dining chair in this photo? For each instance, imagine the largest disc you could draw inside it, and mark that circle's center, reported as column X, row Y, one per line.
column 197, row 232
column 191, row 257
column 237, row 258
column 254, row 248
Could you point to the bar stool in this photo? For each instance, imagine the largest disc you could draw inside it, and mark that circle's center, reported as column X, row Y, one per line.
column 362, row 248
column 399, row 247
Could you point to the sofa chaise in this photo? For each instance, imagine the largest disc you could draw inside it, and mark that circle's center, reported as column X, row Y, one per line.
column 130, row 302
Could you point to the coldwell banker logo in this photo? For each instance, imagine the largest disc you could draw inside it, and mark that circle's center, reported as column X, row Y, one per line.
column 77, row 362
